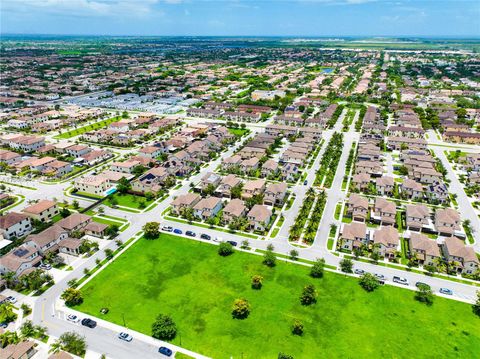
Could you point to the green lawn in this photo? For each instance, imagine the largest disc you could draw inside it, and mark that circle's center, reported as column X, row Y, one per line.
column 81, row 130
column 130, row 200
column 189, row 281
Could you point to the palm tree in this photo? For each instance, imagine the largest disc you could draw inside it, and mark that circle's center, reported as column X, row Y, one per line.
column 9, row 278
column 9, row 338
column 55, row 347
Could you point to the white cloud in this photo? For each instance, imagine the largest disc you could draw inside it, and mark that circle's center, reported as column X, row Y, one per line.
column 103, row 8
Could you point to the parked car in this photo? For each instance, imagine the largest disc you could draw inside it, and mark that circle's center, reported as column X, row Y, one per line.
column 305, row 182
column 205, row 236
column 190, row 234
column 359, row 271
column 380, row 276
column 400, row 280
column 446, row 291
column 11, row 299
column 87, row 322
column 233, row 243
column 125, row 336
column 167, row 228
column 45, row 266
column 73, row 318
column 177, row 231
column 165, row 351
column 3, row 325
column 420, row 284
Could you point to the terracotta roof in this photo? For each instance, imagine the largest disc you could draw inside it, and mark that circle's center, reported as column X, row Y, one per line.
column 40, row 207
column 11, row 219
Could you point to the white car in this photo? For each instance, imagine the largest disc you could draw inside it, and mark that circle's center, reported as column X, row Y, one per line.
column 11, row 299
column 125, row 336
column 167, row 228
column 73, row 318
column 400, row 280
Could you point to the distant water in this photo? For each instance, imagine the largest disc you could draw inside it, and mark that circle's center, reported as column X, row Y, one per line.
column 327, row 70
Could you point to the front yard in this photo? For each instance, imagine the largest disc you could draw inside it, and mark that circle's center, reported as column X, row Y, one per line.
column 191, row 282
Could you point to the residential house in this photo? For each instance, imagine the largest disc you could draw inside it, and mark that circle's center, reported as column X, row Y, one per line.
column 361, row 181
column 188, row 200
column 207, row 207
column 259, row 217
column 74, row 222
column 15, row 225
column 462, row 258
column 385, row 185
column 384, row 211
column 386, row 240
column 447, row 221
column 353, row 235
column 357, row 207
column 226, row 185
column 275, row 194
column 425, row 250
column 253, row 187
column 269, row 168
column 412, row 189
column 47, row 240
column 42, row 211
column 417, row 217
column 234, row 209
column 20, row 260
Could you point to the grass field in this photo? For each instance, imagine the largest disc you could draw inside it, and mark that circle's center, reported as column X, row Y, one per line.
column 192, row 283
column 130, row 200
column 91, row 127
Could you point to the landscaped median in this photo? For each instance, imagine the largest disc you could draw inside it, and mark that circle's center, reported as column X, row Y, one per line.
column 192, row 284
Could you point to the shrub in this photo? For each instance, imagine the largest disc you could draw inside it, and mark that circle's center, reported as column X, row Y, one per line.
column 369, row 282
column 297, row 327
column 346, row 265
column 269, row 259
column 424, row 294
column 317, row 269
column 164, row 328
column 241, row 309
column 225, row 249
column 72, row 297
column 257, row 281
column 309, row 295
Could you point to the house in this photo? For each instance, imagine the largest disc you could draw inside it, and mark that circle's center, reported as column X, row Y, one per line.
column 384, row 211
column 124, row 167
column 275, row 194
column 250, row 164
column 20, row 260
column 259, row 217
column 96, row 229
column 290, row 172
column 47, row 240
column 150, row 181
column 447, row 221
column 361, row 181
column 226, row 185
column 207, row 207
column 357, row 207
column 96, row 185
column 411, row 189
column 15, row 225
column 188, row 200
column 425, row 250
column 74, row 222
column 70, row 246
column 23, row 350
column 269, row 168
column 426, row 175
column 385, row 185
column 234, row 209
column 374, row 168
column 253, row 187
column 417, row 217
column 58, row 168
column 353, row 235
column 42, row 211
column 150, row 151
column 210, row 179
column 386, row 239
column 462, row 258
column 78, row 150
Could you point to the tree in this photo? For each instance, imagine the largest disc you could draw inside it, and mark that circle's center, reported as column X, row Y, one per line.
column 101, row 210
column 257, row 281
column 64, row 212
column 8, row 338
column 297, row 327
column 346, row 265
column 70, row 342
column 72, row 283
column 269, row 258
column 476, row 306
column 75, row 204
column 209, row 189
column 293, row 254
column 108, row 253
column 245, row 244
column 151, row 230
column 225, row 249
column 309, row 295
column 164, row 328
column 113, row 201
column 424, row 294
column 72, row 297
column 241, row 309
column 318, row 268
column 112, row 230
column 369, row 282
column 284, row 356
column 236, row 191
column 123, row 185
column 188, row 214
column 7, row 314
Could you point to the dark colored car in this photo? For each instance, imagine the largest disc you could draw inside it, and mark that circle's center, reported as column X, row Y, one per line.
column 446, row 291
column 305, row 182
column 205, row 236
column 89, row 323
column 165, row 351
column 359, row 271
column 190, row 234
column 233, row 243
column 177, row 231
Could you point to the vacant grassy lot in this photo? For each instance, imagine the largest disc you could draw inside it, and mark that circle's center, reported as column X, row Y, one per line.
column 81, row 130
column 197, row 287
column 130, row 200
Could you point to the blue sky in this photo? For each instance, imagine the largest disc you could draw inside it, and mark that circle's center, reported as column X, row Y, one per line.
column 242, row 17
